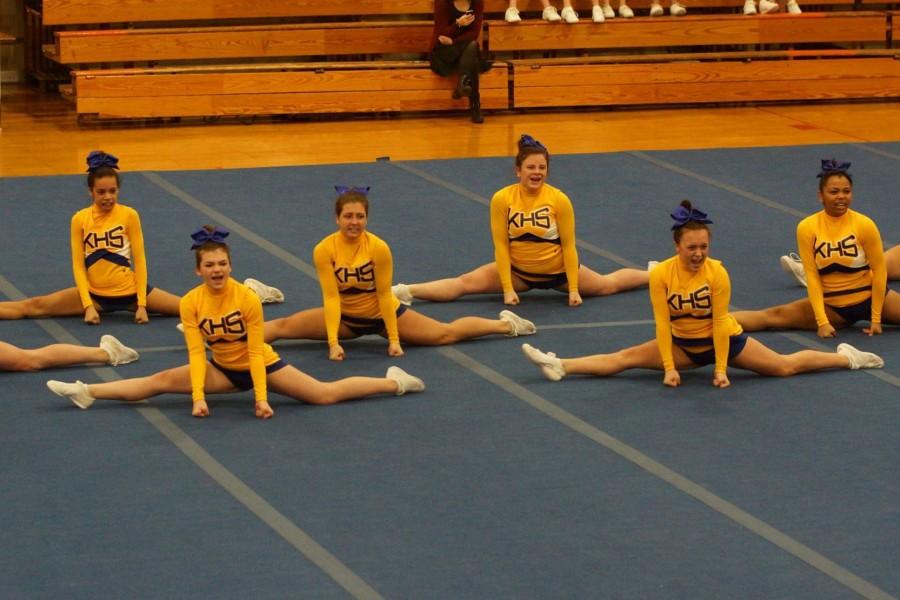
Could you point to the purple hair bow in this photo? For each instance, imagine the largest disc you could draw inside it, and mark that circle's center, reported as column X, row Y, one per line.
column 527, row 140
column 201, row 236
column 99, row 158
column 343, row 189
column 683, row 216
column 831, row 166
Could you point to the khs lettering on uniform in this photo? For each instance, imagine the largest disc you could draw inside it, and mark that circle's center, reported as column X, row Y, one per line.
column 845, row 247
column 361, row 274
column 699, row 299
column 114, row 238
column 230, row 324
column 538, row 218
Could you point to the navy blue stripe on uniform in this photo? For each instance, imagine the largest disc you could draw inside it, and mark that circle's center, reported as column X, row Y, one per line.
column 106, row 255
column 530, row 237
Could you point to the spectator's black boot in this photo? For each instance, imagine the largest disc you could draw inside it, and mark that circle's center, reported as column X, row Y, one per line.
column 475, row 108
column 463, row 87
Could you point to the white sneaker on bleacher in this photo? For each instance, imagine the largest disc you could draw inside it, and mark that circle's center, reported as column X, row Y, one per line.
column 656, row 10
column 569, row 15
column 793, row 8
column 677, row 10
column 625, row 11
column 597, row 15
column 512, row 15
column 750, row 7
column 768, row 6
column 608, row 12
column 550, row 15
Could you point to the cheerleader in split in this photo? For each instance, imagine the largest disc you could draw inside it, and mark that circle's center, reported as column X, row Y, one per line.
column 533, row 230
column 227, row 317
column 690, row 293
column 108, row 261
column 355, row 269
column 844, row 265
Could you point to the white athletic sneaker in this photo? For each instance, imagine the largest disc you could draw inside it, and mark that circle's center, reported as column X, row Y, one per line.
column 550, row 366
column 569, row 15
column 859, row 359
column 76, row 392
column 750, row 7
column 677, row 10
column 793, row 8
column 651, row 264
column 512, row 15
column 405, row 381
column 656, row 9
column 119, row 353
column 792, row 266
column 401, row 290
column 517, row 325
column 266, row 293
column 551, row 15
column 608, row 12
column 768, row 6
column 597, row 15
column 625, row 11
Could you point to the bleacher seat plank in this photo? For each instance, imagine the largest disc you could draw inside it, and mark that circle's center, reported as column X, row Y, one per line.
column 705, row 82
column 198, row 43
column 700, row 30
column 70, row 12
column 143, row 94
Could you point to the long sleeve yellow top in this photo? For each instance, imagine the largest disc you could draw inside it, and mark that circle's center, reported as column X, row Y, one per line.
column 355, row 277
column 844, row 262
column 230, row 322
column 108, row 254
column 536, row 233
column 692, row 306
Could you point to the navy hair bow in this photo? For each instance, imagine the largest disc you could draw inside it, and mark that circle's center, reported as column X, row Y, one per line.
column 527, row 140
column 99, row 158
column 202, row 235
column 683, row 216
column 831, row 166
column 343, row 189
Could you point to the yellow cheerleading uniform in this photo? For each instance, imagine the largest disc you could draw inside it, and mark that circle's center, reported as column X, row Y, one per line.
column 534, row 233
column 844, row 262
column 692, row 306
column 230, row 322
column 108, row 254
column 355, row 277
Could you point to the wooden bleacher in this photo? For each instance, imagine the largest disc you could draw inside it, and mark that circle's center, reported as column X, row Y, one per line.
column 238, row 57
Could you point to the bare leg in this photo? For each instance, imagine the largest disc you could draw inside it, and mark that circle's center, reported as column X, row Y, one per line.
column 64, row 303
column 307, row 324
column 163, row 303
column 796, row 315
column 415, row 328
column 483, row 280
column 292, row 382
column 892, row 260
column 643, row 356
column 591, row 283
column 13, row 358
column 170, row 381
column 760, row 359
